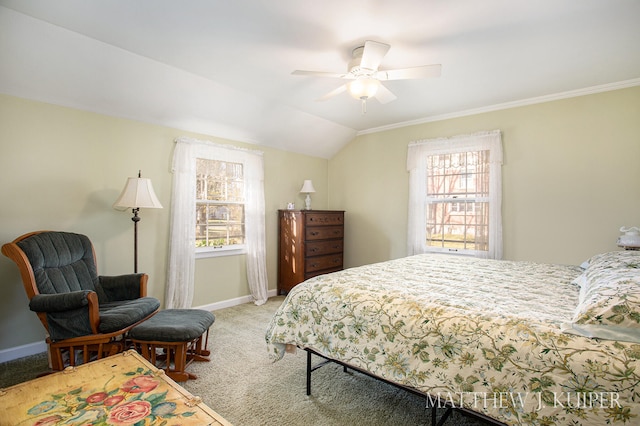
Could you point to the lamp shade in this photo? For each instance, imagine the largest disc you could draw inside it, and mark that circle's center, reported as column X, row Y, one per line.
column 138, row 192
column 363, row 87
column 307, row 187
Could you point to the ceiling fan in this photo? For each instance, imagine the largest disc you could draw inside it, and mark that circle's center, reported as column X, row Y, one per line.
column 365, row 79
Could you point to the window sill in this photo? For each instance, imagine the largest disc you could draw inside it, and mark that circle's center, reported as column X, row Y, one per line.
column 204, row 254
column 455, row 252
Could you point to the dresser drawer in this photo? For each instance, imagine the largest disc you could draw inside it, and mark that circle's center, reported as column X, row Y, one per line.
column 319, row 263
column 318, row 248
column 324, row 271
column 324, row 218
column 323, row 232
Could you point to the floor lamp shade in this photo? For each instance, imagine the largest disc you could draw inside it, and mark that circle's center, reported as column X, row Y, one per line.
column 137, row 193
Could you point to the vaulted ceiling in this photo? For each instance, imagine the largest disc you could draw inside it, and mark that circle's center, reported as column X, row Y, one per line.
column 224, row 67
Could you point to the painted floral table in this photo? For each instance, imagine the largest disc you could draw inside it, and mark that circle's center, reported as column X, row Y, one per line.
column 123, row 389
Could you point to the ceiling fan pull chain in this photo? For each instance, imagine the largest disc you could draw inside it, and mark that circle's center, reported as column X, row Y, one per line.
column 364, row 106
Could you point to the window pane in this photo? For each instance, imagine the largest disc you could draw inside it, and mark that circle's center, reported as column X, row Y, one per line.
column 219, row 181
column 464, row 174
column 462, row 227
column 219, row 225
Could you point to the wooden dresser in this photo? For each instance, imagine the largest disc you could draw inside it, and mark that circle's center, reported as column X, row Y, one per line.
column 310, row 243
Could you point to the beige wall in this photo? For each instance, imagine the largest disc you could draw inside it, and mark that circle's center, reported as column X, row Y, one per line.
column 571, row 178
column 62, row 169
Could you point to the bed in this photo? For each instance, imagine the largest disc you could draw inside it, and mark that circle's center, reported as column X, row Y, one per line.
column 521, row 343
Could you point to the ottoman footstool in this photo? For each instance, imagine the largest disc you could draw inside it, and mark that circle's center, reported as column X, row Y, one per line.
column 181, row 335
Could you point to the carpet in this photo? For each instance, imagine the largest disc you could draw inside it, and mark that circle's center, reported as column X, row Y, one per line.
column 245, row 387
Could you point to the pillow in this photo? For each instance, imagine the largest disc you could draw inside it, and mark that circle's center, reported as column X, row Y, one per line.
column 609, row 302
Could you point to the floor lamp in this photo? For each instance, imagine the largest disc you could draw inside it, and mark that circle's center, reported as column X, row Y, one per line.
column 137, row 193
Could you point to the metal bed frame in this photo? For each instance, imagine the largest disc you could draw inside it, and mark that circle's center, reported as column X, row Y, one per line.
column 434, row 407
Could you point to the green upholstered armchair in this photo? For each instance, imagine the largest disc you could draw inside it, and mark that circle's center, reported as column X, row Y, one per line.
column 84, row 314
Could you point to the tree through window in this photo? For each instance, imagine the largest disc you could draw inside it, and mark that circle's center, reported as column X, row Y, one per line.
column 220, row 203
column 458, row 200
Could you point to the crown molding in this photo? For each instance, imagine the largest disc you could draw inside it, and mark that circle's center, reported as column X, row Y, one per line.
column 507, row 105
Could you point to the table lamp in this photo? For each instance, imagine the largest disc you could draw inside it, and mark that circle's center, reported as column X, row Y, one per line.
column 307, row 188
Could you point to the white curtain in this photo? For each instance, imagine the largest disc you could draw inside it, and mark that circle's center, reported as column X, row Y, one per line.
column 254, row 227
column 182, row 225
column 181, row 265
column 417, row 154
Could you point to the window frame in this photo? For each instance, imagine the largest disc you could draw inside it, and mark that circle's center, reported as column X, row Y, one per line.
column 225, row 250
column 417, row 160
column 461, row 203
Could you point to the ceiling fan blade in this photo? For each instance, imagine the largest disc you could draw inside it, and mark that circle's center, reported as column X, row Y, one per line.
column 372, row 55
column 384, row 95
column 320, row 74
column 333, row 93
column 425, row 71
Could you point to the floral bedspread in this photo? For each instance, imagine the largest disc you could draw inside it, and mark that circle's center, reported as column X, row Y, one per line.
column 480, row 334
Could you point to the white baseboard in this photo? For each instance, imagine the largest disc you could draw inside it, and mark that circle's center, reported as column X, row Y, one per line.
column 22, row 351
column 38, row 347
column 232, row 302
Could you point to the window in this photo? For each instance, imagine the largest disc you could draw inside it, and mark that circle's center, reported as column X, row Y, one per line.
column 455, row 195
column 219, row 205
column 217, row 208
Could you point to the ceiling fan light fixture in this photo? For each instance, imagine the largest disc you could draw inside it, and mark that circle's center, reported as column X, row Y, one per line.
column 364, row 76
column 363, row 87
